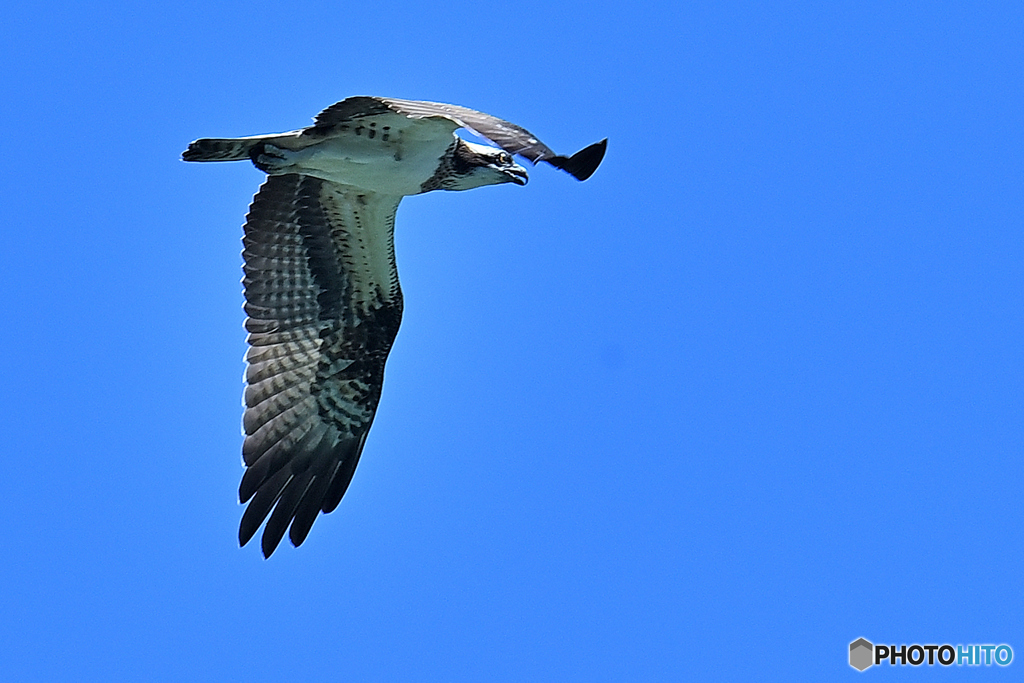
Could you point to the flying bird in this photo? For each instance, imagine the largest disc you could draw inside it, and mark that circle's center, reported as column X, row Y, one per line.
column 322, row 298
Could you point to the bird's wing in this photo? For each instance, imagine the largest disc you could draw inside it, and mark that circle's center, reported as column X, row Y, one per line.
column 324, row 306
column 510, row 137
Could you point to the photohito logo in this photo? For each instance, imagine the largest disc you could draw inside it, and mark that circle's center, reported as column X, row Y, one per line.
column 863, row 654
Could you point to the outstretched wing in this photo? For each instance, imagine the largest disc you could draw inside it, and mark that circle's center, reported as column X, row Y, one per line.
column 510, row 137
column 324, row 306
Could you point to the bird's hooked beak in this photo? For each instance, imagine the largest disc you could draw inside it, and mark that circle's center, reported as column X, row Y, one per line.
column 516, row 174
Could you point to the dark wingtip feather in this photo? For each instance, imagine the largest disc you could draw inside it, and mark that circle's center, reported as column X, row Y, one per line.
column 307, row 510
column 246, row 530
column 260, row 506
column 583, row 163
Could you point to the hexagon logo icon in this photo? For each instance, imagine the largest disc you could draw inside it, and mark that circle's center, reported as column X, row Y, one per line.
column 861, row 654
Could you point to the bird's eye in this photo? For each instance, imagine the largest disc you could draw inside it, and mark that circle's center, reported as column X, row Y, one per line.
column 504, row 158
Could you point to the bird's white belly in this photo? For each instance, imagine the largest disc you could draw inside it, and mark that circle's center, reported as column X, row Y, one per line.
column 398, row 166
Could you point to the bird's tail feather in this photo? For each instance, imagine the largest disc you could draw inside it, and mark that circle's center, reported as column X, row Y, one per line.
column 224, row 149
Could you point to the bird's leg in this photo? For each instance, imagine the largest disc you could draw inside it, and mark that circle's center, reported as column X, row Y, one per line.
column 274, row 160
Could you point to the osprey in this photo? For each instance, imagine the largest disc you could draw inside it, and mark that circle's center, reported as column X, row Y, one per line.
column 321, row 286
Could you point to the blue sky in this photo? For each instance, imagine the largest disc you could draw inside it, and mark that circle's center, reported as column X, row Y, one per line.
column 751, row 392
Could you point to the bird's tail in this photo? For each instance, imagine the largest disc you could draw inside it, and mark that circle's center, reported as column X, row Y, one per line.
column 224, row 149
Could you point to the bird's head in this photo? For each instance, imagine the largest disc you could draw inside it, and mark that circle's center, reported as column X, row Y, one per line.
column 474, row 165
